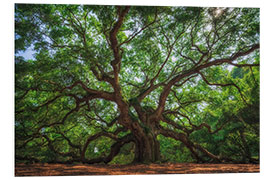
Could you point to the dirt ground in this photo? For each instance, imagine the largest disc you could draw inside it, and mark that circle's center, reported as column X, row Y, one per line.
column 168, row 168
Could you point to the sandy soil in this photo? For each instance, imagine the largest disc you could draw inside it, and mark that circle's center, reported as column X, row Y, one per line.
column 168, row 168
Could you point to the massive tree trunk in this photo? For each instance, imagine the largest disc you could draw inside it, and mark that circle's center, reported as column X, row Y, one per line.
column 147, row 148
column 145, row 130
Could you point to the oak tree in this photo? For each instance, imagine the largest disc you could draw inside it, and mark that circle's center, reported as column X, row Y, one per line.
column 118, row 84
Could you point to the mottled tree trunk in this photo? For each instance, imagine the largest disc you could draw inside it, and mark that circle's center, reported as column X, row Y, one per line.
column 147, row 149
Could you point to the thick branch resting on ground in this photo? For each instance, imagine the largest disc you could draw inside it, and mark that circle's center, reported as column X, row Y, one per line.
column 115, row 149
column 193, row 147
column 93, row 137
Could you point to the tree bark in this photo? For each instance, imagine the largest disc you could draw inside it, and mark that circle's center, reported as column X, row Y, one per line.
column 147, row 149
column 145, row 133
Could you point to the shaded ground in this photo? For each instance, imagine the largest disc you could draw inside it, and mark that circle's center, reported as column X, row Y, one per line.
column 168, row 168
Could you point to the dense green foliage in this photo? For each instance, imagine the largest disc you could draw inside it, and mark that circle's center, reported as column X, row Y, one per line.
column 136, row 84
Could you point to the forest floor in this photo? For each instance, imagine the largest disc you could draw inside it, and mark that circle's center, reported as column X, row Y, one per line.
column 167, row 168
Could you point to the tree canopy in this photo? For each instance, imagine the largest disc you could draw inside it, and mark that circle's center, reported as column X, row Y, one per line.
column 121, row 84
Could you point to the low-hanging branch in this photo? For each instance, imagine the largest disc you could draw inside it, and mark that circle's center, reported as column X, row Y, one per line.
column 115, row 149
column 64, row 154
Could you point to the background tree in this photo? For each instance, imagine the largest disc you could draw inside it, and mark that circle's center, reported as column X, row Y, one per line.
column 120, row 84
